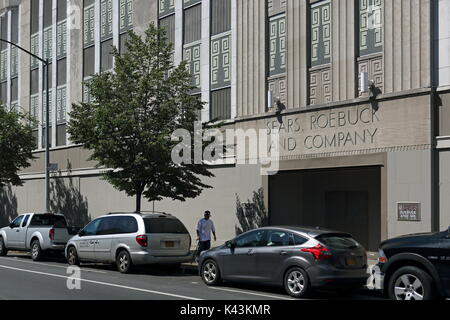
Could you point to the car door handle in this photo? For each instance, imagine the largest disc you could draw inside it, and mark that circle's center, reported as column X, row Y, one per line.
column 17, row 230
column 283, row 253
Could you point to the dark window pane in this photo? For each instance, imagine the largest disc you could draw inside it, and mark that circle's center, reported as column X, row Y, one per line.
column 50, row 78
column 25, row 221
column 15, row 25
column 34, row 81
column 34, row 16
column 4, row 31
column 164, row 225
column 61, row 135
column 46, row 220
column 106, row 56
column 192, row 24
column 91, row 228
column 168, row 24
column 117, row 225
column 87, row 3
column 252, row 239
column 89, row 62
column 123, row 40
column 62, row 72
column 62, row 10
column 48, row 14
column 220, row 16
column 299, row 240
column 338, row 241
column 14, row 89
column 279, row 239
column 4, row 92
column 220, row 106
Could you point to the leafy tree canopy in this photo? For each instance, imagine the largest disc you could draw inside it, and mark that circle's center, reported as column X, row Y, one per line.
column 16, row 146
column 131, row 116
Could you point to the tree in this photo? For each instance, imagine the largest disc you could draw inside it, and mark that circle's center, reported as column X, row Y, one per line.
column 132, row 114
column 16, row 146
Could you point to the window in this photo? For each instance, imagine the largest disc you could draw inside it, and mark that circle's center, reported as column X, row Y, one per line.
column 192, row 43
column 126, row 15
column 299, row 240
column 338, row 241
column 25, row 220
column 16, row 223
column 46, row 220
column 370, row 26
column 164, row 225
column 117, row 225
column 89, row 26
column 220, row 60
column 279, row 239
column 252, row 239
column 91, row 228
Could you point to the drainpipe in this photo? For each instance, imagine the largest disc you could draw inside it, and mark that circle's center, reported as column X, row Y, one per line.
column 434, row 118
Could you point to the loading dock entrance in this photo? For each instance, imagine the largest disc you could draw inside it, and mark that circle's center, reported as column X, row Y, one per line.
column 344, row 199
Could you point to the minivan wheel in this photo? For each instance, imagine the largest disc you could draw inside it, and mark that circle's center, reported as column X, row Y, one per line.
column 210, row 273
column 72, row 257
column 411, row 283
column 3, row 250
column 123, row 262
column 36, row 251
column 296, row 283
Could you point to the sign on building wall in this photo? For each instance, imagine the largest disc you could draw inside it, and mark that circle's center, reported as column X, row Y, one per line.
column 409, row 211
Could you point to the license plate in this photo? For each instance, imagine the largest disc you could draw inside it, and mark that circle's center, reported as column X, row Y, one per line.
column 351, row 261
column 170, row 244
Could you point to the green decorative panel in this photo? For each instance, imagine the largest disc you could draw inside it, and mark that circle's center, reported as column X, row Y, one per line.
column 166, row 7
column 14, row 62
column 370, row 26
column 188, row 3
column 3, row 65
column 34, row 109
column 61, row 105
column 320, row 34
column 192, row 55
column 48, row 48
column 221, row 61
column 35, row 50
column 106, row 19
column 278, row 48
column 126, row 15
column 89, row 26
column 61, row 40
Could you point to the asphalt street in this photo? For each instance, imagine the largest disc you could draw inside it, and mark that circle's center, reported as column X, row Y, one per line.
column 23, row 279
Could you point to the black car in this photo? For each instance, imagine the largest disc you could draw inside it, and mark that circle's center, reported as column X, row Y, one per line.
column 415, row 267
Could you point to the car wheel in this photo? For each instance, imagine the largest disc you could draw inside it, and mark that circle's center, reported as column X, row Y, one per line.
column 210, row 273
column 123, row 262
column 3, row 250
column 296, row 283
column 36, row 251
column 411, row 283
column 72, row 257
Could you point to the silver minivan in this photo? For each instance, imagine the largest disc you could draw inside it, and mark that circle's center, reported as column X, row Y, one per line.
column 128, row 239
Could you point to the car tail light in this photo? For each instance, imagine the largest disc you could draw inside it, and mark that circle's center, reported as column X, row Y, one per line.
column 382, row 257
column 319, row 252
column 51, row 234
column 142, row 241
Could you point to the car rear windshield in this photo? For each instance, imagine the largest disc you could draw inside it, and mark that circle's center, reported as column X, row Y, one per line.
column 338, row 241
column 40, row 220
column 164, row 225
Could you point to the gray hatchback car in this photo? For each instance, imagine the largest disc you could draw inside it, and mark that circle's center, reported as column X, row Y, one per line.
column 300, row 259
column 131, row 239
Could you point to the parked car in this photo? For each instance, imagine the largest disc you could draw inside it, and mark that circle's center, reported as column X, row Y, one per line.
column 128, row 239
column 36, row 232
column 300, row 259
column 415, row 267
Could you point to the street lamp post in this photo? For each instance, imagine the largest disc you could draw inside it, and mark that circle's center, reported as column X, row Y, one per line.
column 46, row 63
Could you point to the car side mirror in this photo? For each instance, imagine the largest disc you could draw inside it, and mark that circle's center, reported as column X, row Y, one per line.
column 230, row 244
column 11, row 225
column 81, row 233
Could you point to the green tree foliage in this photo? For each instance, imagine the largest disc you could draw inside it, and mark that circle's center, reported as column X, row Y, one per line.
column 131, row 117
column 16, row 146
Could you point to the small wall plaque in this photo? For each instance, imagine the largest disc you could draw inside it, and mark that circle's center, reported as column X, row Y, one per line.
column 409, row 211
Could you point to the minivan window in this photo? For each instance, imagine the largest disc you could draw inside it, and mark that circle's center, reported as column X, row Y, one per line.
column 40, row 220
column 338, row 241
column 164, row 225
column 91, row 228
column 117, row 225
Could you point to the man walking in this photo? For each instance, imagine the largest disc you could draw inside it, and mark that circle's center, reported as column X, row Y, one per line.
column 204, row 228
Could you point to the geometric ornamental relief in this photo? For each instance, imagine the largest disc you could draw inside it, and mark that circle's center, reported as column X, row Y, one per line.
column 320, row 86
column 374, row 68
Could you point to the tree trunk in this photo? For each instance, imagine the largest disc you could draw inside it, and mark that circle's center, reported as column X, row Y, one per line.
column 138, row 201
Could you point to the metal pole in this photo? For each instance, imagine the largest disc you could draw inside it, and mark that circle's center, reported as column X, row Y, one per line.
column 47, row 128
column 47, row 141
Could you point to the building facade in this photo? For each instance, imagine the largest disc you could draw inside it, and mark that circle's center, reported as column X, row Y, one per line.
column 375, row 164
